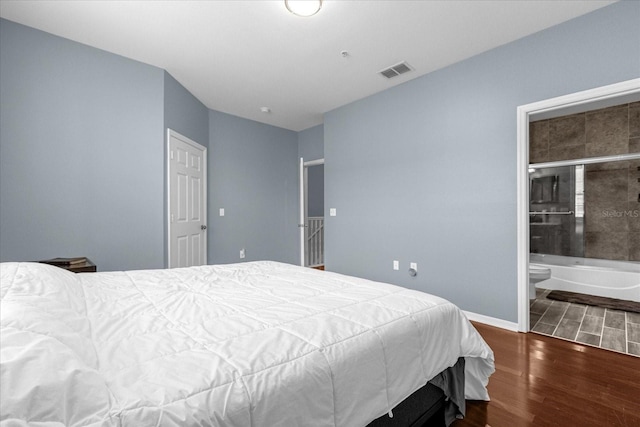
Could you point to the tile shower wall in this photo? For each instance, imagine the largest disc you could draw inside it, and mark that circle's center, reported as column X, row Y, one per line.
column 612, row 190
column 612, row 216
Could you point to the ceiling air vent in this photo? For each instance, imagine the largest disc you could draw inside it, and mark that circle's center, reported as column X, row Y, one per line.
column 396, row 70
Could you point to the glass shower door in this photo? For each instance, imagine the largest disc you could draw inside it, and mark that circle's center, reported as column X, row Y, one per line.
column 556, row 210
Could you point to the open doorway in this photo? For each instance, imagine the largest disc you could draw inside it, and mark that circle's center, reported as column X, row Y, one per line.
column 602, row 97
column 311, row 221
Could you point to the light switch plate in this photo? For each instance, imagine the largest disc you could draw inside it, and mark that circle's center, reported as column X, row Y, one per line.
column 221, row 211
column 332, row 212
column 396, row 265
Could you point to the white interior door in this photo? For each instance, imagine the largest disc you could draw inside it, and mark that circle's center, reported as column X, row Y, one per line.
column 187, row 199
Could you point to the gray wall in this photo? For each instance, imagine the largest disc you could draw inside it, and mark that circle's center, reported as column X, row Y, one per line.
column 184, row 113
column 426, row 172
column 311, row 143
column 81, row 153
column 253, row 175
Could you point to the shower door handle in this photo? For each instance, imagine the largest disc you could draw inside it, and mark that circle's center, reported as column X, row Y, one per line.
column 551, row 213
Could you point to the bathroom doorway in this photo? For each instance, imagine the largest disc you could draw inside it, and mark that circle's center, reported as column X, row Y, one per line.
column 603, row 97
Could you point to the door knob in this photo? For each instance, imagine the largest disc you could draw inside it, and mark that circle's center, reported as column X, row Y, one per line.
column 203, row 227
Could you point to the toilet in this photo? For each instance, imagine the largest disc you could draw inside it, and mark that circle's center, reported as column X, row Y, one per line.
column 537, row 273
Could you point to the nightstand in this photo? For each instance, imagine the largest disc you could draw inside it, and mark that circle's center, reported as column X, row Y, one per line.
column 84, row 267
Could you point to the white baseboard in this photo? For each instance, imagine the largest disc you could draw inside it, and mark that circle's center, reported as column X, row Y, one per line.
column 491, row 321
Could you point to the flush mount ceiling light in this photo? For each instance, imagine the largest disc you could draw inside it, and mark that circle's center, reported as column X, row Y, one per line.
column 303, row 7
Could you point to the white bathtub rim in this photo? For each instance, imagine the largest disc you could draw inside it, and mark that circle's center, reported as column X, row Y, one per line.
column 587, row 263
column 630, row 293
column 608, row 279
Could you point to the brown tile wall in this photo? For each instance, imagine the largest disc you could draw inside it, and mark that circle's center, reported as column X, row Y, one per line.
column 612, row 190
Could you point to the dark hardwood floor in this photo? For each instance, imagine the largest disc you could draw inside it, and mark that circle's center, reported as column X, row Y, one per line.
column 544, row 381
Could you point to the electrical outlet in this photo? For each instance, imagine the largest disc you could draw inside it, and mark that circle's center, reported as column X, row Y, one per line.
column 413, row 269
column 396, row 265
column 242, row 253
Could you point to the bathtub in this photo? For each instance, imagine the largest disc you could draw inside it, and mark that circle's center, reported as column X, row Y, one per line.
column 613, row 279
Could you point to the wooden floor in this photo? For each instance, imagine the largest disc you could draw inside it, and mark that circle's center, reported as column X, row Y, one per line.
column 544, row 381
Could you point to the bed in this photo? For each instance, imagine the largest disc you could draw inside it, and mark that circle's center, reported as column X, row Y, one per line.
column 252, row 344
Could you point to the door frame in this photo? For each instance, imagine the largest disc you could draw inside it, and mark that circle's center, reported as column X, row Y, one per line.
column 172, row 133
column 303, row 201
column 576, row 100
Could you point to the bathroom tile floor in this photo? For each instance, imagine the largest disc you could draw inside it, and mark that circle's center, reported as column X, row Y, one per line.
column 600, row 327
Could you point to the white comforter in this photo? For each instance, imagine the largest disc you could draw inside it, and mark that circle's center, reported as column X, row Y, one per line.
column 254, row 344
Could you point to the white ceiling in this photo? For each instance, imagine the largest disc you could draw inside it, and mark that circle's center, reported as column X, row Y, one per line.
column 238, row 56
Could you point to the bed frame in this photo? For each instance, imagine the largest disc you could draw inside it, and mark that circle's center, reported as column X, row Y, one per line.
column 430, row 405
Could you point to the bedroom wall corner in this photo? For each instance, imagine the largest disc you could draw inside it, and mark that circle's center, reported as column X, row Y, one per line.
column 311, row 143
column 184, row 113
column 253, row 175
